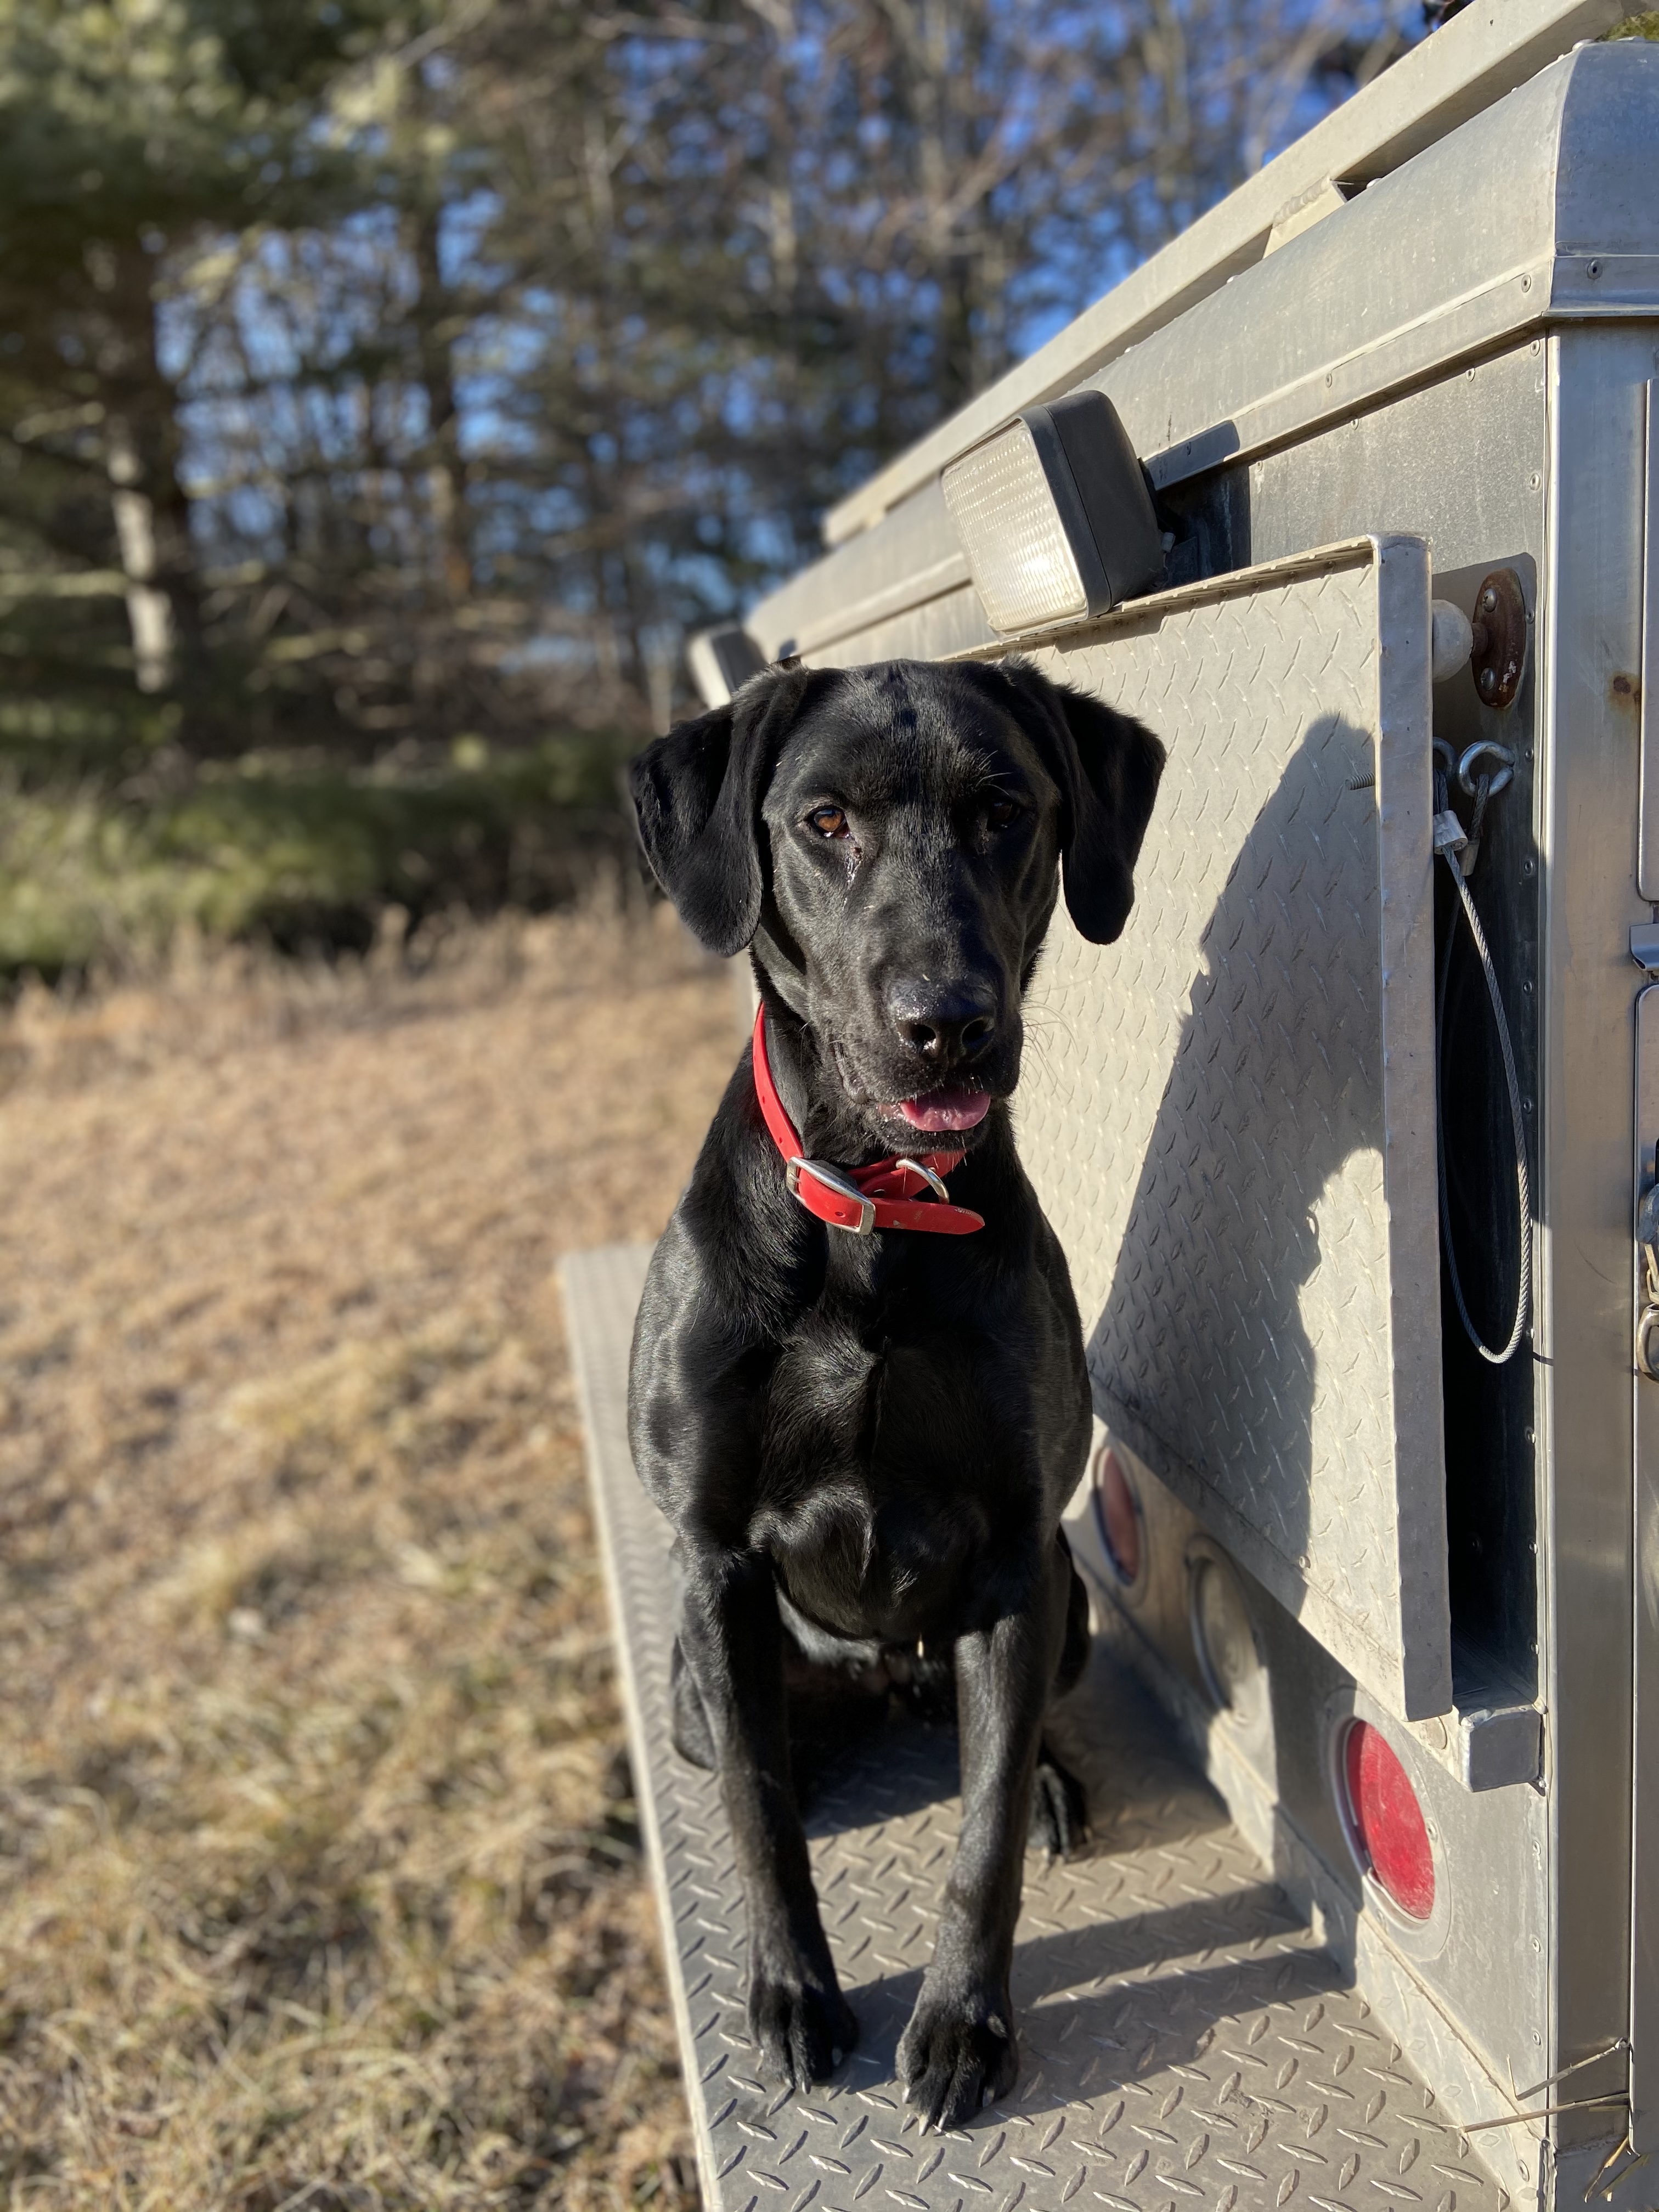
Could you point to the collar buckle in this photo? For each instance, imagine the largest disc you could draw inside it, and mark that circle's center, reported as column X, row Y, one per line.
column 832, row 1179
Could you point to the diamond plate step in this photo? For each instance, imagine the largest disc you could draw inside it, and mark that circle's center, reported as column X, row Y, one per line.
column 1183, row 2040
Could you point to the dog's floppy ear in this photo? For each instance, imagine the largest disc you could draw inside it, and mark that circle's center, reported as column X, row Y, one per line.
column 1108, row 767
column 696, row 795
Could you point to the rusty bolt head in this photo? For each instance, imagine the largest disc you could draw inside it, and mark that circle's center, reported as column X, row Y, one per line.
column 1500, row 638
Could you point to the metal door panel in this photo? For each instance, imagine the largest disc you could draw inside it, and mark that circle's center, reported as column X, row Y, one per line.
column 1647, row 702
column 1229, row 1114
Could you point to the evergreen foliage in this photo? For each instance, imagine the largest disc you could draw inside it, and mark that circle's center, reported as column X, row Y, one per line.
column 376, row 373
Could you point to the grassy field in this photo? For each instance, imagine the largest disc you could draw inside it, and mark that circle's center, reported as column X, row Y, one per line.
column 320, row 1880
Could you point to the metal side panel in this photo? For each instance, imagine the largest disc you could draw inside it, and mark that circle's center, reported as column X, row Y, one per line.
column 1644, row 1902
column 1229, row 1114
column 1183, row 2039
column 1590, row 635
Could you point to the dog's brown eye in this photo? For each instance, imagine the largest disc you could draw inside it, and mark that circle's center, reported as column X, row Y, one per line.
column 1000, row 812
column 828, row 821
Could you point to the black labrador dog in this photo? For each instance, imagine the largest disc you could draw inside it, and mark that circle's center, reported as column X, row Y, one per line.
column 865, row 1441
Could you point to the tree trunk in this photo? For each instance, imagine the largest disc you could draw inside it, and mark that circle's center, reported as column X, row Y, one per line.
column 445, row 478
column 151, row 507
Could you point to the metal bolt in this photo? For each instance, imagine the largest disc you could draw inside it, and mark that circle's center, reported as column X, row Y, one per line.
column 1489, row 601
column 1488, row 683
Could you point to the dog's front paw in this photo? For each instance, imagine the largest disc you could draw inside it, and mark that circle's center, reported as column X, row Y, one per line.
column 957, row 2054
column 801, row 2024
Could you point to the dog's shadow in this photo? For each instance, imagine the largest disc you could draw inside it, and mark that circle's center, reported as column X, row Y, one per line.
column 1102, row 1954
column 1165, row 1991
column 1227, row 1349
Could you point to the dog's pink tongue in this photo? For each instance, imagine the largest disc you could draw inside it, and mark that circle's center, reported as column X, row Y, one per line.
column 954, row 1106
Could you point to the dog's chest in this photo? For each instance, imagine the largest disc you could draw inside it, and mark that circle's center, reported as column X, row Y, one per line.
column 876, row 1504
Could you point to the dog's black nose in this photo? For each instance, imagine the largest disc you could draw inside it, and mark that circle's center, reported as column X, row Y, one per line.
column 947, row 1023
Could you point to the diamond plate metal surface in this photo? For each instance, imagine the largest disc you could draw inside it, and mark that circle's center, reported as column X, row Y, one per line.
column 1183, row 2040
column 1228, row 1114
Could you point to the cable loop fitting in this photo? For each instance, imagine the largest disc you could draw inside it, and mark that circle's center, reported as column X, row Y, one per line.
column 1485, row 749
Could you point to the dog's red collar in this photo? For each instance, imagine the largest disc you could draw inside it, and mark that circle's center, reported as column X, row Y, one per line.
column 884, row 1195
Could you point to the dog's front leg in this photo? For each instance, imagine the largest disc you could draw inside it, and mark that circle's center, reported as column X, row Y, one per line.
column 733, row 1640
column 959, row 2051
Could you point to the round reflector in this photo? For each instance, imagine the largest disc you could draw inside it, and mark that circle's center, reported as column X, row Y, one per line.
column 1118, row 1517
column 1223, row 1636
column 1387, row 1821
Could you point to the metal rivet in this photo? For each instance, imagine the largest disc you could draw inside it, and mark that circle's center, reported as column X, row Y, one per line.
column 1592, row 268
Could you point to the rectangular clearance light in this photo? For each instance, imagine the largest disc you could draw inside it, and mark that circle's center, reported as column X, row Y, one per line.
column 1055, row 516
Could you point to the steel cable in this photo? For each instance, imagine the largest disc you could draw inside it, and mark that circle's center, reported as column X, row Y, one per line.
column 1524, row 1189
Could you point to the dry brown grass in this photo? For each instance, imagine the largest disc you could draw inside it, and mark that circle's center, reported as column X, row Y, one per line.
column 320, row 1885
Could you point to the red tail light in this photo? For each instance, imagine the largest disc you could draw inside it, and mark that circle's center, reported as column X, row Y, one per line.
column 1386, row 1821
column 1117, row 1515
